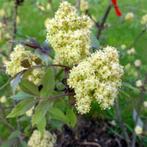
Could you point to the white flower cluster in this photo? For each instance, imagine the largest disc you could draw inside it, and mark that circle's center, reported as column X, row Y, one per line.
column 84, row 5
column 3, row 99
column 96, row 78
column 37, row 140
column 36, row 76
column 69, row 35
column 29, row 113
column 129, row 16
column 144, row 20
column 21, row 59
column 138, row 130
column 131, row 51
column 139, row 83
column 137, row 63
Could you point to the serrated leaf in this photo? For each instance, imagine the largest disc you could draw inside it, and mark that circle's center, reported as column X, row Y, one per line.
column 40, row 111
column 21, row 95
column 48, row 83
column 24, row 144
column 21, row 108
column 131, row 87
column 41, row 125
column 72, row 119
column 14, row 134
column 57, row 114
column 56, row 124
column 29, row 87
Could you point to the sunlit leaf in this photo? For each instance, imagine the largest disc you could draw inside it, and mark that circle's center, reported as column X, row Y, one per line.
column 21, row 107
column 58, row 115
column 29, row 87
column 40, row 111
column 21, row 95
column 71, row 116
column 48, row 83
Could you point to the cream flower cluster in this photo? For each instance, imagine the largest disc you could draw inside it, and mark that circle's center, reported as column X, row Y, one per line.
column 69, row 35
column 96, row 78
column 36, row 76
column 37, row 140
column 138, row 130
column 144, row 20
column 129, row 16
column 21, row 59
column 84, row 5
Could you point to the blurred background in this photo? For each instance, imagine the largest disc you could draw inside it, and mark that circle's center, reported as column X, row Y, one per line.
column 23, row 19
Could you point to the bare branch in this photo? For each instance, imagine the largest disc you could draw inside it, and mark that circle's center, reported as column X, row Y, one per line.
column 14, row 23
column 78, row 3
column 31, row 68
column 104, row 18
column 121, row 123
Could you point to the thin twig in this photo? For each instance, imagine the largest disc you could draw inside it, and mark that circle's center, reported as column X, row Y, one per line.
column 5, row 122
column 138, row 37
column 31, row 68
column 61, row 95
column 14, row 23
column 141, row 100
column 90, row 144
column 78, row 3
column 121, row 123
column 104, row 18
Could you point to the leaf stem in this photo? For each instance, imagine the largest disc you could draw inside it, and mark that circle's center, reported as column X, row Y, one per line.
column 31, row 68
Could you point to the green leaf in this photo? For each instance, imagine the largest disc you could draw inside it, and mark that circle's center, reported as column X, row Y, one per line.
column 58, row 115
column 29, row 87
column 14, row 134
column 41, row 125
column 21, row 95
column 68, row 117
column 48, row 83
column 71, row 116
column 40, row 112
column 136, row 90
column 56, row 124
column 21, row 107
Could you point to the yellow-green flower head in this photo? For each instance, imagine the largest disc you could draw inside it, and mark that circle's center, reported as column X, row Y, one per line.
column 21, row 59
column 84, row 5
column 37, row 140
column 17, row 57
column 36, row 76
column 69, row 35
column 96, row 78
column 66, row 10
column 144, row 20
